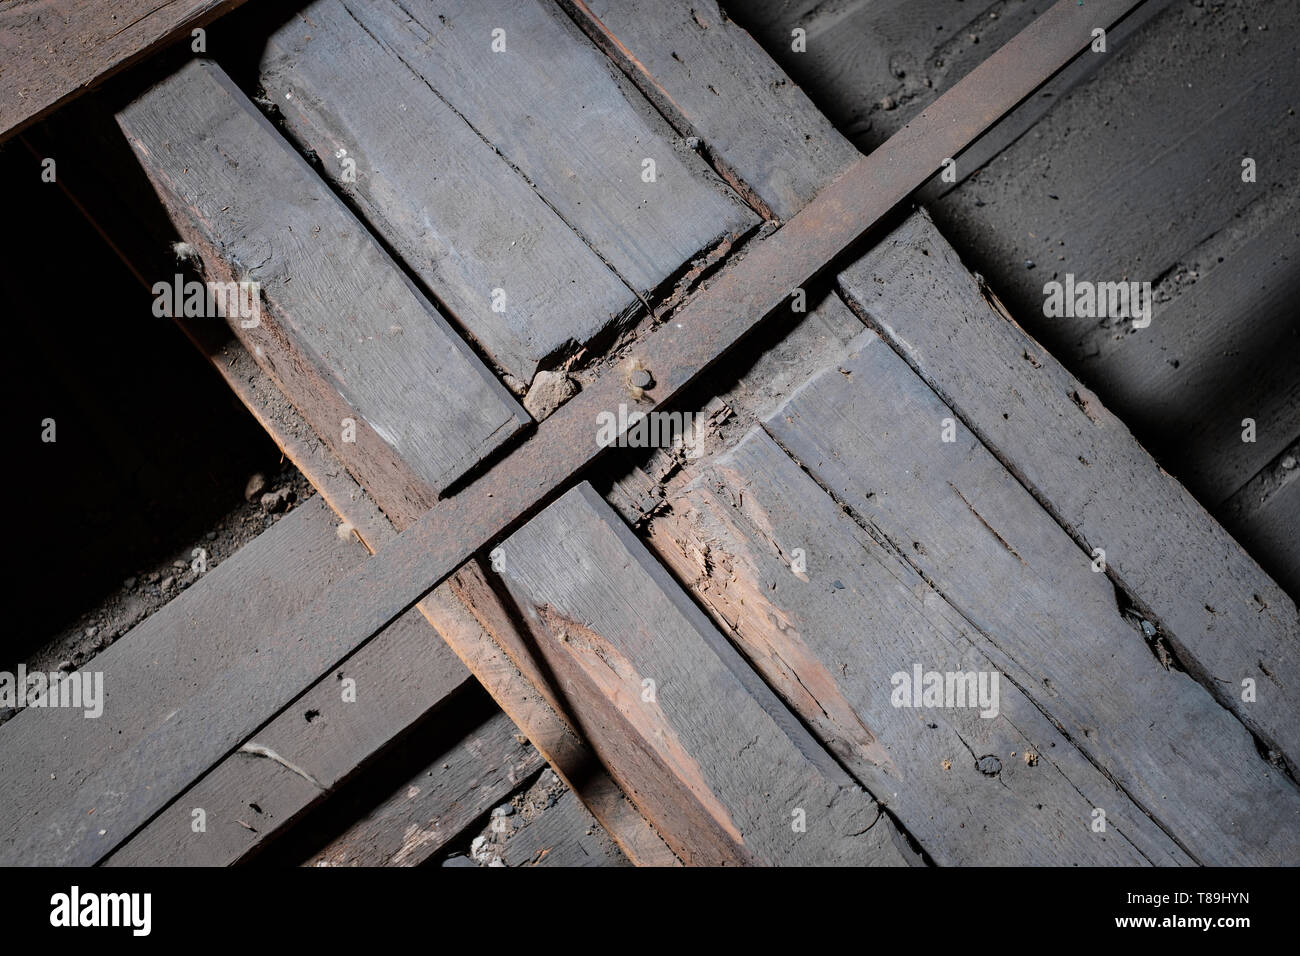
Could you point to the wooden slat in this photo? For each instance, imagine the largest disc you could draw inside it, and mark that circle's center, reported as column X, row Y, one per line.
column 49, row 753
column 53, row 50
column 1224, row 349
column 451, row 207
column 560, row 112
column 712, row 81
column 1225, row 618
column 342, row 318
column 431, row 549
column 439, row 802
column 561, row 835
column 402, row 677
column 141, row 245
column 705, row 749
column 830, row 638
column 869, row 431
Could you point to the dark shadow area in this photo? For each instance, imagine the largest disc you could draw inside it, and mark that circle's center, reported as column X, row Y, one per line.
column 150, row 446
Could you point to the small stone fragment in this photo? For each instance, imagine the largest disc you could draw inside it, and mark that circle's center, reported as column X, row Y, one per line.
column 548, row 392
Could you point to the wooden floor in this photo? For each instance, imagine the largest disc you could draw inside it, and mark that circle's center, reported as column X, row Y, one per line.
column 462, row 216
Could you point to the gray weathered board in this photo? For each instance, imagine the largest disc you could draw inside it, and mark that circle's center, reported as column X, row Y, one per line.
column 1227, row 620
column 338, row 313
column 403, row 676
column 439, row 802
column 870, row 432
column 452, row 207
column 829, row 615
column 695, row 738
column 714, row 82
column 48, row 753
column 560, row 112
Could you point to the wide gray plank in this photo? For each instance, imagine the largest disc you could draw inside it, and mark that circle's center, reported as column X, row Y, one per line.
column 49, row 753
column 869, row 431
column 250, row 204
column 708, row 753
column 714, row 82
column 560, row 112
column 829, row 632
column 303, row 755
column 451, row 207
column 1227, row 620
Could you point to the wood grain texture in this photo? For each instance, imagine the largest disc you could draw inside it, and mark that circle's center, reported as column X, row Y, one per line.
column 1114, row 186
column 870, row 432
column 830, row 630
column 1225, row 618
column 49, row 753
column 53, row 50
column 450, row 206
column 400, row 678
column 734, row 302
column 563, row 115
column 706, row 751
column 561, row 836
column 342, row 315
column 714, row 82
column 439, row 802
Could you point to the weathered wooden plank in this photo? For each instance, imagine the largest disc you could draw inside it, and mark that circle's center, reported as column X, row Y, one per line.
column 1225, row 618
column 451, row 207
column 870, row 432
column 49, row 753
column 561, row 835
column 140, row 244
column 1224, row 349
column 703, row 747
column 347, row 718
column 512, row 672
column 426, row 553
column 51, row 51
column 439, row 802
column 342, row 316
column 715, row 83
column 560, row 112
column 828, row 615
column 1112, row 186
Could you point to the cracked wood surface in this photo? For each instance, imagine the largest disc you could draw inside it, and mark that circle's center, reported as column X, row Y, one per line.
column 869, row 431
column 442, row 799
column 141, row 243
column 734, row 302
column 712, row 81
column 706, row 750
column 51, row 51
column 562, row 114
column 829, row 639
column 1226, row 619
column 339, row 318
column 453, row 208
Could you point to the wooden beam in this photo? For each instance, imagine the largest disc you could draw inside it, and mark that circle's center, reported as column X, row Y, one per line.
column 733, row 303
column 870, row 431
column 1226, row 620
column 52, row 51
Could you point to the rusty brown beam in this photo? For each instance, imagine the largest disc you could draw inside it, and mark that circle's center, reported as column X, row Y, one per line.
column 126, row 794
